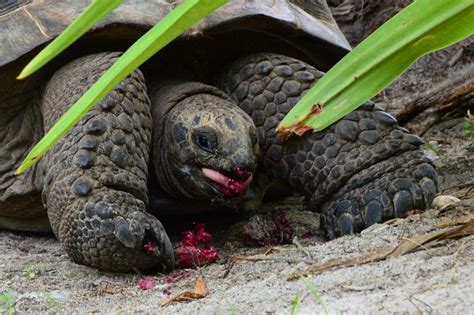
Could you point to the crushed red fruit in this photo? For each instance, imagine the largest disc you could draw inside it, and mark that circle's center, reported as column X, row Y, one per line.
column 146, row 284
column 149, row 248
column 234, row 188
column 166, row 292
column 229, row 187
column 242, row 172
column 307, row 234
column 272, row 229
column 194, row 250
column 176, row 276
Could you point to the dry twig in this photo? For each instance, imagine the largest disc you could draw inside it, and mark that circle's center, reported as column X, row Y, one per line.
column 301, row 248
column 406, row 246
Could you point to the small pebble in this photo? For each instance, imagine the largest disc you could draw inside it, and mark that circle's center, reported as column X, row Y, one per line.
column 444, row 201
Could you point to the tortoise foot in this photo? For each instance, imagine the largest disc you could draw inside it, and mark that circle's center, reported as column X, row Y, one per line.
column 388, row 189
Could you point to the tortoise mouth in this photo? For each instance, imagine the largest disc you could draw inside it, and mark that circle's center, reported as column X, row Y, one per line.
column 229, row 184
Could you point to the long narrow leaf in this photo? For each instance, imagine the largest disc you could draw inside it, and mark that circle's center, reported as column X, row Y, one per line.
column 84, row 22
column 422, row 27
column 171, row 26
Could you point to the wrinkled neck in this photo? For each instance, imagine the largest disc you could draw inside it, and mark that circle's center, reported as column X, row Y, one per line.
column 166, row 166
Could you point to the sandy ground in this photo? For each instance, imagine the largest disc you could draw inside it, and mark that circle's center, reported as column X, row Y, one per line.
column 436, row 278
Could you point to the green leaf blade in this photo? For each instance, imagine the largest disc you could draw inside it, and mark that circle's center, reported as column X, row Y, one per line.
column 170, row 27
column 95, row 12
column 422, row 27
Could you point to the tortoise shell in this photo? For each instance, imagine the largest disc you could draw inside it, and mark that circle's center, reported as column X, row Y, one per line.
column 27, row 24
column 303, row 29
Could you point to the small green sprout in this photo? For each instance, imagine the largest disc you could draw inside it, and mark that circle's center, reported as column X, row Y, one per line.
column 30, row 272
column 7, row 303
column 467, row 126
column 51, row 300
column 434, row 149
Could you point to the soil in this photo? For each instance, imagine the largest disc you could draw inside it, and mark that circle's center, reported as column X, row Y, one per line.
column 436, row 278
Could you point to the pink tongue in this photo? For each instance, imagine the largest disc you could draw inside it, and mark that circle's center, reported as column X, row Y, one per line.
column 232, row 186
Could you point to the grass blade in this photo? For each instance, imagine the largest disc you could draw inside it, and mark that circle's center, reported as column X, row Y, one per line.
column 422, row 27
column 295, row 305
column 171, row 26
column 314, row 293
column 84, row 22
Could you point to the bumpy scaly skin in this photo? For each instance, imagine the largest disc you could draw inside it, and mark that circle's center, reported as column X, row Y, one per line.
column 95, row 185
column 362, row 170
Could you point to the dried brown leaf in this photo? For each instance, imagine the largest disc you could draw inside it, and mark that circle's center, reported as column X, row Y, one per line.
column 200, row 291
column 299, row 127
column 460, row 231
column 200, row 287
column 403, row 248
column 413, row 212
column 113, row 289
column 410, row 244
column 451, row 222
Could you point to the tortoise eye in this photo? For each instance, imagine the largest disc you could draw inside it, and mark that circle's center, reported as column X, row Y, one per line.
column 206, row 140
column 204, row 143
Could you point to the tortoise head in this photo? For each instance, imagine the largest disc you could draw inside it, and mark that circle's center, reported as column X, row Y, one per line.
column 208, row 150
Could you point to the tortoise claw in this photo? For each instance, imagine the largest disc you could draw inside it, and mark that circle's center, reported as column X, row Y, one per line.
column 123, row 234
column 159, row 245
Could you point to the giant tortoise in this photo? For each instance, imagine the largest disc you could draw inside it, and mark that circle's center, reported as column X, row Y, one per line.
column 196, row 124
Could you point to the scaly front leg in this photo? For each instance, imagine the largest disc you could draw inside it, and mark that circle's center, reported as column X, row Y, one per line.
column 362, row 170
column 95, row 186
